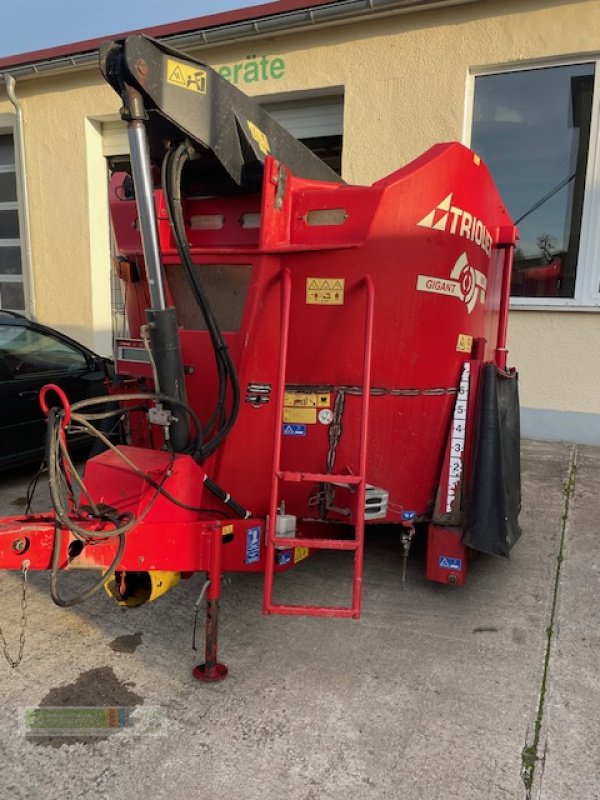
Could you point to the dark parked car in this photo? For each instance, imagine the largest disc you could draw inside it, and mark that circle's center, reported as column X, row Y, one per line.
column 32, row 355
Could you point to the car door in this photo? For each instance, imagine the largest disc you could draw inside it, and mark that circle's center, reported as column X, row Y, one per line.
column 32, row 357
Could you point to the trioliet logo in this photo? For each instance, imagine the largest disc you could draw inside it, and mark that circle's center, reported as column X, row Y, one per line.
column 457, row 221
column 465, row 282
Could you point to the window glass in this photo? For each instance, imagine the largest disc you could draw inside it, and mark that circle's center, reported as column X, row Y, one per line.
column 532, row 128
column 10, row 260
column 226, row 287
column 9, row 224
column 8, row 187
column 12, row 296
column 7, row 151
column 28, row 352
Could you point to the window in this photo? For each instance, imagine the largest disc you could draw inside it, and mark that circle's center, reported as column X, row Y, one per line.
column 29, row 352
column 12, row 295
column 534, row 130
column 317, row 122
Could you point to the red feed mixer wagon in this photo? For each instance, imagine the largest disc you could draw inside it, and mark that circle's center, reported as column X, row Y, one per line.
column 305, row 358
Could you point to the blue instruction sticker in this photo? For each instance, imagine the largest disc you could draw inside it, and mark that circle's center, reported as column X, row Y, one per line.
column 407, row 516
column 450, row 563
column 253, row 545
column 293, row 429
column 284, row 558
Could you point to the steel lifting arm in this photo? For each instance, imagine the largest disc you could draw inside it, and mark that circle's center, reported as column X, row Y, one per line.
column 186, row 99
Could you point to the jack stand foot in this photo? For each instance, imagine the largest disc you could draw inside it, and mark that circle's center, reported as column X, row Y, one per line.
column 209, row 674
column 406, row 537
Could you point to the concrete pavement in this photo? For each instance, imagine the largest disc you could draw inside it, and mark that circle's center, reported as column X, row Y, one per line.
column 437, row 692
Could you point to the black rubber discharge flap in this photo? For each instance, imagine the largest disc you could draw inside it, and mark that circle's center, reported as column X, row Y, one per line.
column 493, row 525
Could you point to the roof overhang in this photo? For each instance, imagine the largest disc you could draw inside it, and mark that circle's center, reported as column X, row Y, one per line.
column 285, row 16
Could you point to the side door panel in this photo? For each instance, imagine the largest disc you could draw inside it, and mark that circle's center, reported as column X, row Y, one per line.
column 30, row 359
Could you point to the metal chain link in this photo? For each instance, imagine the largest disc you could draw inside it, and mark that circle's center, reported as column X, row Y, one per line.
column 335, row 429
column 376, row 391
column 14, row 662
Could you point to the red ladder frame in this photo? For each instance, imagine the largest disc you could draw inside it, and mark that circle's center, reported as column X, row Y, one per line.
column 359, row 481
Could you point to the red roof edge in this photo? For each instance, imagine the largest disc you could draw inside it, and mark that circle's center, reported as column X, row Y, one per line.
column 170, row 29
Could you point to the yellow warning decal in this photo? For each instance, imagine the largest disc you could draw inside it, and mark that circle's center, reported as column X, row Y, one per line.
column 308, row 416
column 186, row 77
column 260, row 138
column 300, row 553
column 226, row 530
column 325, row 291
column 303, row 400
column 464, row 343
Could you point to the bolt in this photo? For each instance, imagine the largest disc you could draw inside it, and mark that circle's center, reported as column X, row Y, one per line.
column 20, row 545
column 452, row 578
column 141, row 67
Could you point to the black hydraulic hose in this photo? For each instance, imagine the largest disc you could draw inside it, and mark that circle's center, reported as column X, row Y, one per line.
column 172, row 168
column 62, row 514
column 157, row 397
column 226, row 498
column 52, row 454
column 95, row 587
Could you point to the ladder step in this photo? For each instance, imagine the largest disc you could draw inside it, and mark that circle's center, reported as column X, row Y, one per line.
column 318, row 477
column 313, row 611
column 318, row 544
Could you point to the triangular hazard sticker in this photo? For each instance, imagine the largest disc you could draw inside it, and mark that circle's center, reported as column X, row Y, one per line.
column 325, row 286
column 177, row 76
column 337, row 285
column 288, row 430
column 313, row 285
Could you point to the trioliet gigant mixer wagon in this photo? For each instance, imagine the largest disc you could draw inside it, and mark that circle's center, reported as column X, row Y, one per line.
column 305, row 357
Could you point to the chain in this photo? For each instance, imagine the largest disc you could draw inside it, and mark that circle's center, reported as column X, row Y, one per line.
column 376, row 391
column 14, row 662
column 335, row 429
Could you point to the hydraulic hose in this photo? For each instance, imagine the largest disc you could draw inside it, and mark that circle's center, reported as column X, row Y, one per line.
column 172, row 169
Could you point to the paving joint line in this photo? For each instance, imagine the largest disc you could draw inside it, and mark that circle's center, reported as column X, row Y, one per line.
column 529, row 754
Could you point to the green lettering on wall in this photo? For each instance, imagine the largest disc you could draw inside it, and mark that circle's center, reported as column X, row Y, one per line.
column 277, row 68
column 253, row 69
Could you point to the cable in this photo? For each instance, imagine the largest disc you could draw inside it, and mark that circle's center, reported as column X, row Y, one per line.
column 546, row 197
column 171, row 173
column 95, row 587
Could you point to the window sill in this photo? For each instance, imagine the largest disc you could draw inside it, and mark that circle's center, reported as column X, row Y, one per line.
column 524, row 304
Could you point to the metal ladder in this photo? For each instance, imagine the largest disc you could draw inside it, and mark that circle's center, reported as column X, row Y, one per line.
column 358, row 481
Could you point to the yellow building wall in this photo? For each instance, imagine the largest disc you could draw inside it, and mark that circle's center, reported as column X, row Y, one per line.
column 407, row 83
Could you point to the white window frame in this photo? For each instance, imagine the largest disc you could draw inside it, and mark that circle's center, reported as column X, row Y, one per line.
column 8, row 125
column 587, row 281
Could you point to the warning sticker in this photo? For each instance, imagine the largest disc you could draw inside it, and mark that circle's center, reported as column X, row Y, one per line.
column 464, row 343
column 260, row 138
column 283, row 559
column 450, row 563
column 325, row 291
column 293, row 429
column 304, row 415
column 186, row 76
column 325, row 416
column 253, row 545
column 302, row 400
column 300, row 553
column 226, row 530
